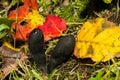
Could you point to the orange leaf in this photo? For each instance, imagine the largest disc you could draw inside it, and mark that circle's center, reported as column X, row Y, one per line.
column 52, row 27
column 21, row 31
column 27, row 12
column 23, row 10
column 20, row 13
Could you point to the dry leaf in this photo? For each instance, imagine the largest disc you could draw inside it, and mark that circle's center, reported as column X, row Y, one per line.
column 10, row 60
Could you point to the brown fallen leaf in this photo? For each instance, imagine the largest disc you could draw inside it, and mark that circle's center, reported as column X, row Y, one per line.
column 10, row 60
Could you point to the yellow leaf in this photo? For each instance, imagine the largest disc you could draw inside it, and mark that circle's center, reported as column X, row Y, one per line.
column 35, row 19
column 99, row 40
column 11, row 47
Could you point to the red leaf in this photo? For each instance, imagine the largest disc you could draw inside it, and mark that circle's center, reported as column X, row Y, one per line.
column 20, row 13
column 21, row 31
column 23, row 10
column 34, row 4
column 31, row 4
column 53, row 27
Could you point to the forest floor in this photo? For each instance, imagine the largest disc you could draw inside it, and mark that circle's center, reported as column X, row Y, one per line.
column 75, row 12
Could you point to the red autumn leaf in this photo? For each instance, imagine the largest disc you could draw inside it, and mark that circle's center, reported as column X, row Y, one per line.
column 34, row 4
column 53, row 27
column 23, row 10
column 20, row 13
column 21, row 31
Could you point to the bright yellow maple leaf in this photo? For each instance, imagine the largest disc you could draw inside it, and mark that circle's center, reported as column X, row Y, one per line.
column 99, row 40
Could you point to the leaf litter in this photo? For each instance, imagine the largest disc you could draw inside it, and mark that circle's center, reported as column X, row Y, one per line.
column 10, row 60
column 74, row 68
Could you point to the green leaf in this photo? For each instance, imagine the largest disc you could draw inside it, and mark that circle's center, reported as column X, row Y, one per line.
column 2, row 34
column 13, row 2
column 107, row 1
column 98, row 76
column 52, row 74
column 3, row 28
column 36, row 75
column 6, row 21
